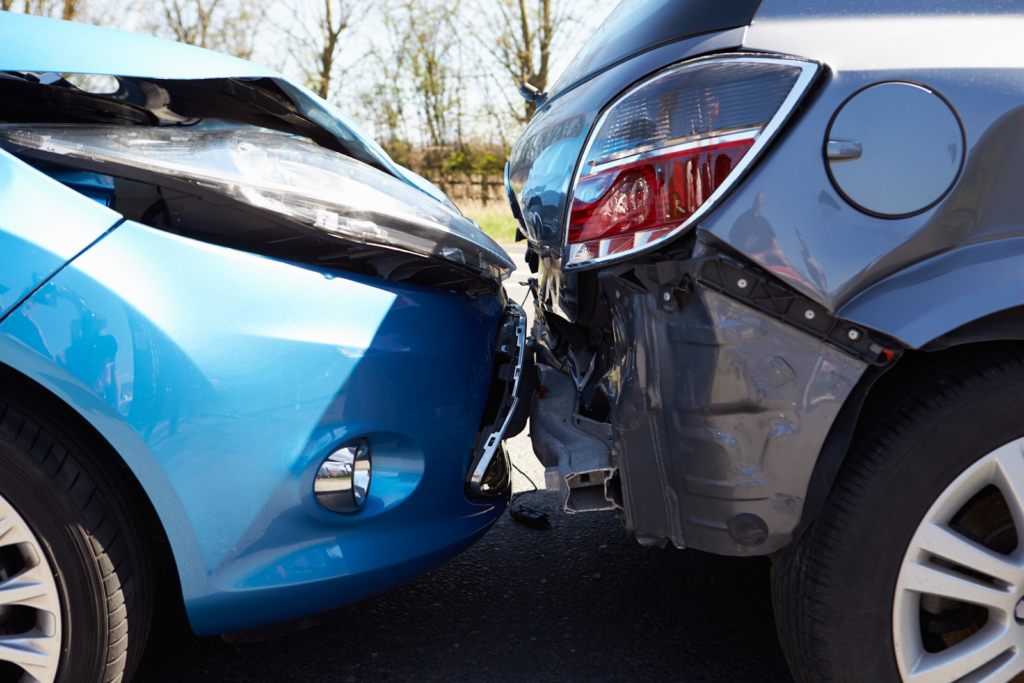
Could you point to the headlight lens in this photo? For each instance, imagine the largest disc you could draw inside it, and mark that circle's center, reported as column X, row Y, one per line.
column 313, row 187
column 668, row 149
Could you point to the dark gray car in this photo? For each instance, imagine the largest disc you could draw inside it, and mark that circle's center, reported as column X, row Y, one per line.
column 779, row 250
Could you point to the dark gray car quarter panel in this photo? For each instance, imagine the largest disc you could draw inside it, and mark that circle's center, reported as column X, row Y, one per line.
column 831, row 251
column 720, row 412
column 717, row 403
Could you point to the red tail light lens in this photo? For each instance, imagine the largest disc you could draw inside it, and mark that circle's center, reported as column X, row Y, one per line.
column 667, row 150
column 642, row 200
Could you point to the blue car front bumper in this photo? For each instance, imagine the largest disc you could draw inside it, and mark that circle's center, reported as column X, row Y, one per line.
column 224, row 379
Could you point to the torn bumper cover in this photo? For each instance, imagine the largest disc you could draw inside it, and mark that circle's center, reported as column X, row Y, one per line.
column 721, row 389
column 505, row 411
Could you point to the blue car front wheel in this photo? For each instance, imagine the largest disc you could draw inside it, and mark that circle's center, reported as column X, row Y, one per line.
column 75, row 586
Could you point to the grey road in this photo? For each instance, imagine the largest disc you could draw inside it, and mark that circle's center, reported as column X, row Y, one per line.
column 580, row 602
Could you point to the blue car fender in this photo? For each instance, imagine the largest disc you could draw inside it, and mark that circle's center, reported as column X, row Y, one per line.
column 43, row 226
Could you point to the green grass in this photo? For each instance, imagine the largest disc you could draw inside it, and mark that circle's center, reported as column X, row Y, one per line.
column 495, row 219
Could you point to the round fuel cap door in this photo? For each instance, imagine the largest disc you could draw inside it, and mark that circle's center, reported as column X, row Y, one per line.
column 894, row 149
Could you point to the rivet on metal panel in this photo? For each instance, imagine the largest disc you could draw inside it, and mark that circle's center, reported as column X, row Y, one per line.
column 742, row 283
column 809, row 314
column 853, row 335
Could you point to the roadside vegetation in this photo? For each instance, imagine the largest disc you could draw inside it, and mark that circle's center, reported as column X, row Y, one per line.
column 495, row 218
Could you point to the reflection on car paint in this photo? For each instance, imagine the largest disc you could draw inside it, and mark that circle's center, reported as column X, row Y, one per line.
column 29, row 255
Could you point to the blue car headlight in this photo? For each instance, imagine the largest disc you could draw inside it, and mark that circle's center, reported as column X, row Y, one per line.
column 315, row 189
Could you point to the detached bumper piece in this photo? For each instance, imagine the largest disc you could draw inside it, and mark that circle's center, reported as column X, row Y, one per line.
column 576, row 451
column 505, row 412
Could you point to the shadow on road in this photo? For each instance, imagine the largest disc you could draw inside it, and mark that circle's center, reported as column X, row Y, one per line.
column 582, row 602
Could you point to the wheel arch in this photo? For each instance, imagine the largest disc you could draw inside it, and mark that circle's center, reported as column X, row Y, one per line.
column 973, row 293
column 60, row 391
column 946, row 309
column 880, row 389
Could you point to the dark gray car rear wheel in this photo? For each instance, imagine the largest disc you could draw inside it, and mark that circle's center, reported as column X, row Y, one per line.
column 914, row 569
column 75, row 596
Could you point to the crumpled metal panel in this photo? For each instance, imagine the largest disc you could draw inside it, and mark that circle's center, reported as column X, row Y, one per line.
column 44, row 224
column 720, row 413
column 224, row 379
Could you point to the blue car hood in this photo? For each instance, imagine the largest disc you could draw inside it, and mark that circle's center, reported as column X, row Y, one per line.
column 41, row 45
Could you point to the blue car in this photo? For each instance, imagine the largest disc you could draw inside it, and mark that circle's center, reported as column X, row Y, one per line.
column 229, row 323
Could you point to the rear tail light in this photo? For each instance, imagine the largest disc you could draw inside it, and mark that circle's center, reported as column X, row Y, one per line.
column 666, row 151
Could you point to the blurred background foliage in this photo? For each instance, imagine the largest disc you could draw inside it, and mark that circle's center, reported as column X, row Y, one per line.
column 435, row 81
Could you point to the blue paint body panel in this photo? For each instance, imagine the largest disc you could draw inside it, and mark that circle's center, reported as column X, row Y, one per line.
column 40, row 44
column 43, row 225
column 224, row 379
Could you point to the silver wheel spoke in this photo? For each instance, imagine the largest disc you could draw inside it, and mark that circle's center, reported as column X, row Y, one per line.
column 1009, row 479
column 997, row 648
column 927, row 578
column 987, row 648
column 943, row 542
column 6, row 525
column 34, row 652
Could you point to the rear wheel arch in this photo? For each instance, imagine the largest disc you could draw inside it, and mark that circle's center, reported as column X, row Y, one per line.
column 880, row 389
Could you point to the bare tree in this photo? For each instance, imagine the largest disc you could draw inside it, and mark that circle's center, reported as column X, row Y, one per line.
column 521, row 36
column 226, row 25
column 418, row 73
column 427, row 30
column 69, row 10
column 316, row 44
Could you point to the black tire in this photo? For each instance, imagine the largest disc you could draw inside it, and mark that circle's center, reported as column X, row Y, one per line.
column 834, row 604
column 54, row 472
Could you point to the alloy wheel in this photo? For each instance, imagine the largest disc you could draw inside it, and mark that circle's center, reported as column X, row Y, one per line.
column 958, row 609
column 30, row 615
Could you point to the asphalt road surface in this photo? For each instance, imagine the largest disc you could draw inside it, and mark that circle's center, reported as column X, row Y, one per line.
column 581, row 602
